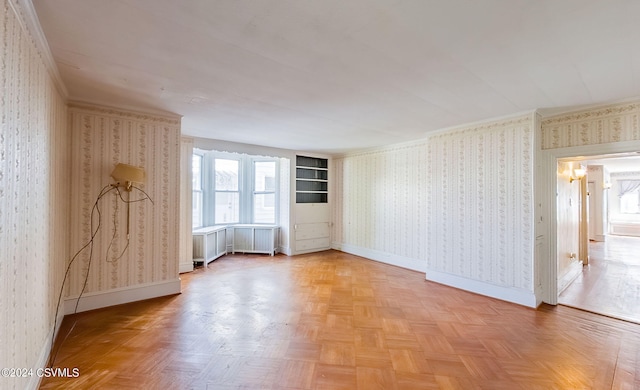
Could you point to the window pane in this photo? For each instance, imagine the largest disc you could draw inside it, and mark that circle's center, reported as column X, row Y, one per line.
column 197, row 209
column 226, row 175
column 629, row 203
column 227, row 207
column 264, row 210
column 196, row 168
column 264, row 176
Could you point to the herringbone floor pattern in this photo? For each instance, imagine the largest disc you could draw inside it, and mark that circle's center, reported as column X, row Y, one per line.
column 337, row 321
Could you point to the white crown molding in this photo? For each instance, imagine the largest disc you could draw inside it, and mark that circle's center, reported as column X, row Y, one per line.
column 516, row 119
column 28, row 19
column 384, row 149
column 211, row 144
column 625, row 174
column 485, row 124
column 149, row 115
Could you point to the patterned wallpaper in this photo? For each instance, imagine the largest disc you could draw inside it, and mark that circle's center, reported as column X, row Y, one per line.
column 591, row 127
column 101, row 138
column 381, row 202
column 460, row 203
column 34, row 197
column 480, row 203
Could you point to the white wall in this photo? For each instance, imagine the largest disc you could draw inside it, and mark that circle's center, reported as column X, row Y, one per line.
column 103, row 137
column 34, row 193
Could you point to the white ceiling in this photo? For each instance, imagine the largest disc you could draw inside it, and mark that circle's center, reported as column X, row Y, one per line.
column 337, row 75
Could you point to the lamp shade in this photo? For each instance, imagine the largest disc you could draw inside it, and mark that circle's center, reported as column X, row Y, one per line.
column 580, row 172
column 125, row 173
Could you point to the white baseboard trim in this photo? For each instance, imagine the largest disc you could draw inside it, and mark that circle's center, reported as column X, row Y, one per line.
column 285, row 250
column 624, row 228
column 45, row 351
column 575, row 268
column 119, row 296
column 383, row 257
column 185, row 267
column 521, row 297
column 600, row 238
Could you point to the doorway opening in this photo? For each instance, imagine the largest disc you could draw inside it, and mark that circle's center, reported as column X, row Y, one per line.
column 609, row 281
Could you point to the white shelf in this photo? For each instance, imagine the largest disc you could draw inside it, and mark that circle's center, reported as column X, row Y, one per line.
column 310, row 173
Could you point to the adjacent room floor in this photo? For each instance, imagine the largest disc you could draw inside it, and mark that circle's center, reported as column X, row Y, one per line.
column 337, row 321
column 610, row 284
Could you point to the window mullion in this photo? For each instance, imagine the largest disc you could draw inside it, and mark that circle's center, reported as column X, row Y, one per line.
column 247, row 197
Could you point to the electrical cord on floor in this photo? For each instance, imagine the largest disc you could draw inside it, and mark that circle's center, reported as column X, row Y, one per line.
column 96, row 208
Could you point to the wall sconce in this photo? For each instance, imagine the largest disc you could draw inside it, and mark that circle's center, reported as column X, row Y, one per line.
column 125, row 175
column 578, row 174
column 606, row 185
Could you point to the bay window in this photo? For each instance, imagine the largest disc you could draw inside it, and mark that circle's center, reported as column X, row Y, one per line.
column 234, row 188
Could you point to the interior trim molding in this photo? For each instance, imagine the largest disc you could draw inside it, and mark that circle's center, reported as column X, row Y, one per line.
column 593, row 113
column 45, row 351
column 382, row 257
column 547, row 178
column 139, row 115
column 513, row 295
column 574, row 270
column 118, row 296
column 285, row 249
column 29, row 22
column 185, row 267
column 516, row 119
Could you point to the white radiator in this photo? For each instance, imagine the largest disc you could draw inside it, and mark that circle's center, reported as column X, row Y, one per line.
column 209, row 243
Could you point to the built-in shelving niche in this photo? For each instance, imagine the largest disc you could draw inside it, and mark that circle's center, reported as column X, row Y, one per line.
column 311, row 179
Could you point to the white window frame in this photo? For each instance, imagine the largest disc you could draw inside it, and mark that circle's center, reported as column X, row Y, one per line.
column 246, row 186
column 630, row 194
column 255, row 192
column 197, row 190
column 213, row 191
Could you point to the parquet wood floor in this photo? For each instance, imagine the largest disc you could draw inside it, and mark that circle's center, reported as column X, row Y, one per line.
column 610, row 284
column 337, row 321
